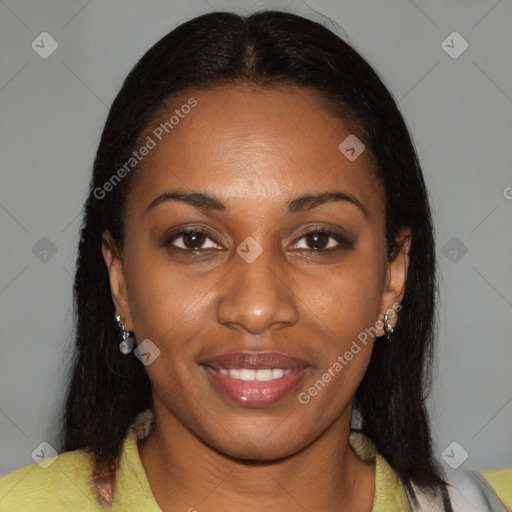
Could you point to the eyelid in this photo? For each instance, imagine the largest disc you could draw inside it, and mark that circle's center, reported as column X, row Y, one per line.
column 180, row 232
column 341, row 239
column 340, row 232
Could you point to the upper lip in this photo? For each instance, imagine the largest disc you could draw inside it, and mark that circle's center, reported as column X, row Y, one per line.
column 256, row 361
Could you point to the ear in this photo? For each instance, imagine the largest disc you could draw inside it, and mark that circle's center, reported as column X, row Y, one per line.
column 114, row 262
column 398, row 266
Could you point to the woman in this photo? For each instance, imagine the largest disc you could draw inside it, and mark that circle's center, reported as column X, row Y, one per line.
column 258, row 226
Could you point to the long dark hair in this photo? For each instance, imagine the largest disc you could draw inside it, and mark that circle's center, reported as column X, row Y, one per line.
column 107, row 390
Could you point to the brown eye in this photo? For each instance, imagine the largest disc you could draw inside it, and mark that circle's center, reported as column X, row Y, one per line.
column 322, row 241
column 191, row 240
column 317, row 240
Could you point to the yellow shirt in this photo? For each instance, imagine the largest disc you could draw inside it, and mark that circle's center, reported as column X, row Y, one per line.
column 66, row 485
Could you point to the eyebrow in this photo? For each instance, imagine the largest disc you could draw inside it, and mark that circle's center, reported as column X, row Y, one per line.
column 303, row 203
column 197, row 199
column 307, row 202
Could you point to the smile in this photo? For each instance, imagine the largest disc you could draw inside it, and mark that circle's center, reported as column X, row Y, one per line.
column 248, row 374
column 255, row 379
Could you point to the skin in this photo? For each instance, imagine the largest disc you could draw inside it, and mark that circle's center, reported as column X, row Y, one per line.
column 255, row 150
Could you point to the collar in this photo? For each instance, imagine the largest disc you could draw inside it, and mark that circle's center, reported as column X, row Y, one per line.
column 136, row 492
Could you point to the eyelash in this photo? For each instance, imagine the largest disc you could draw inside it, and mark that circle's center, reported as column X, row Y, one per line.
column 183, row 232
column 343, row 243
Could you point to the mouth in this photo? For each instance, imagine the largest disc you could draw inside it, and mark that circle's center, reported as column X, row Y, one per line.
column 255, row 379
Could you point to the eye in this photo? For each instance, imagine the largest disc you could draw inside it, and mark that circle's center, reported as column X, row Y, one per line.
column 193, row 239
column 321, row 240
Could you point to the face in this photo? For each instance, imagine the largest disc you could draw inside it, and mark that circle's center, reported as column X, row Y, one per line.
column 254, row 259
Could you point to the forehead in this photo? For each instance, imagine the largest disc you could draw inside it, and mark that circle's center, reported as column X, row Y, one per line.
column 244, row 143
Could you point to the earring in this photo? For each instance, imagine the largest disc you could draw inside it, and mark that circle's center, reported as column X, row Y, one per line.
column 387, row 327
column 126, row 346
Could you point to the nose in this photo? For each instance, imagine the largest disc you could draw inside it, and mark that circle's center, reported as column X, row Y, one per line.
column 256, row 296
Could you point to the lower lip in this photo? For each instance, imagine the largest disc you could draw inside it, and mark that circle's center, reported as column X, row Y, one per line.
column 253, row 393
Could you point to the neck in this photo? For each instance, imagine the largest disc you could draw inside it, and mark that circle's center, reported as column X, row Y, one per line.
column 186, row 474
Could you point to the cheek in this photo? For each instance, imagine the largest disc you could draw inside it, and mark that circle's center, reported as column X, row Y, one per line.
column 172, row 311
column 167, row 299
column 167, row 304
column 348, row 296
column 346, row 307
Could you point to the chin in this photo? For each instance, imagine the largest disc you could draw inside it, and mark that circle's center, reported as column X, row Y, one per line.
column 263, row 442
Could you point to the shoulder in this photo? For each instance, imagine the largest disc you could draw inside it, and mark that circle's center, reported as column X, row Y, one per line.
column 501, row 482
column 63, row 484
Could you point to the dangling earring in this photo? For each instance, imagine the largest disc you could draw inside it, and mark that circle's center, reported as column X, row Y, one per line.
column 387, row 327
column 126, row 346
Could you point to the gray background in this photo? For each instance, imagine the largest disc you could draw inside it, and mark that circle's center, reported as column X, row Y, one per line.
column 460, row 114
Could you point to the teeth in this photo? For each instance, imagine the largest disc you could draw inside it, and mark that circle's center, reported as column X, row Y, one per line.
column 263, row 375
column 251, row 374
column 246, row 374
column 277, row 373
